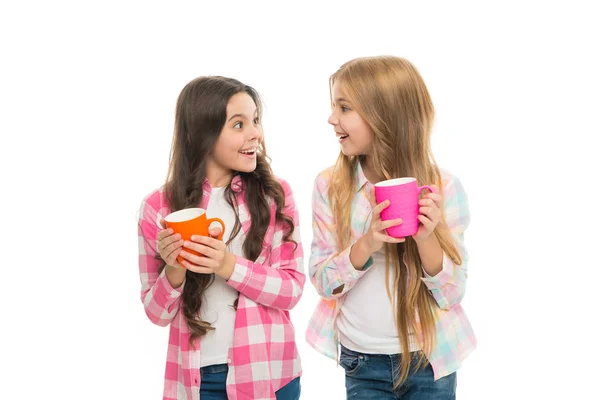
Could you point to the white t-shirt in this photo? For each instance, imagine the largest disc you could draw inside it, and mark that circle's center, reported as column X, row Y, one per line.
column 217, row 305
column 367, row 322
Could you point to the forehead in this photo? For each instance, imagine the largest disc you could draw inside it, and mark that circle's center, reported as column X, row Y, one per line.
column 338, row 92
column 241, row 103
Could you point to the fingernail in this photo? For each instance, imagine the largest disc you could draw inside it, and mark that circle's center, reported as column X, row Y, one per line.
column 186, row 243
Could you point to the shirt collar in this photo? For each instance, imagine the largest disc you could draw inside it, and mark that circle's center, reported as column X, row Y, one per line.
column 237, row 185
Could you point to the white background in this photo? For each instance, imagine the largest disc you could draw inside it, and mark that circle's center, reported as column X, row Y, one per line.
column 88, row 92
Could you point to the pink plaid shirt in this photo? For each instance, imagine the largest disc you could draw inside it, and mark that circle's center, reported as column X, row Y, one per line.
column 264, row 356
column 330, row 267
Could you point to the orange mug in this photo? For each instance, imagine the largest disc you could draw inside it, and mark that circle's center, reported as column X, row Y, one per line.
column 191, row 221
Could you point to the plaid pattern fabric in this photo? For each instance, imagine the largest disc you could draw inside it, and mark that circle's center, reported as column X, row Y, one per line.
column 329, row 268
column 264, row 356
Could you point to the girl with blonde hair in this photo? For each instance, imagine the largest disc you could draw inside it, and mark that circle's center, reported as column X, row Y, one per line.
column 393, row 304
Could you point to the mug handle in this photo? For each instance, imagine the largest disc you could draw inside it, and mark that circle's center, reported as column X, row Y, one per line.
column 420, row 188
column 211, row 220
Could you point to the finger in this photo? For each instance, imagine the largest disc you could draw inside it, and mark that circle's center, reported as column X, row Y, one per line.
column 172, row 247
column 372, row 198
column 436, row 198
column 206, row 262
column 207, row 252
column 192, row 258
column 427, row 223
column 168, row 240
column 201, row 269
column 427, row 202
column 215, row 232
column 171, row 257
column 382, row 237
column 387, row 224
column 164, row 233
column 200, row 248
column 379, row 208
column 428, row 211
column 435, row 217
column 163, row 223
column 208, row 241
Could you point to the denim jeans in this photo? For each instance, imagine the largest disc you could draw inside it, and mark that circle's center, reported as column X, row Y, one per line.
column 372, row 376
column 212, row 385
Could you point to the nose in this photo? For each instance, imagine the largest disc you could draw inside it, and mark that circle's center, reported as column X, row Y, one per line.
column 333, row 119
column 256, row 134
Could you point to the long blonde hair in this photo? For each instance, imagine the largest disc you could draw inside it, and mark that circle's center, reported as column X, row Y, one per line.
column 390, row 95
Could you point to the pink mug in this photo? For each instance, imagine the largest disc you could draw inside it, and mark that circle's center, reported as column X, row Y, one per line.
column 403, row 194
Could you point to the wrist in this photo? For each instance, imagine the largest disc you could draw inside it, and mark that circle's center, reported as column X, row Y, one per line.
column 431, row 254
column 360, row 253
column 424, row 241
column 227, row 266
column 175, row 275
column 366, row 245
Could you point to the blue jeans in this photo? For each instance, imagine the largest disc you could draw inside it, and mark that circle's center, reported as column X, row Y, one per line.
column 213, row 378
column 372, row 376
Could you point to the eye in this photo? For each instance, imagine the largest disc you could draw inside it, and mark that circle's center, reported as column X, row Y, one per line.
column 344, row 109
column 238, row 125
column 256, row 121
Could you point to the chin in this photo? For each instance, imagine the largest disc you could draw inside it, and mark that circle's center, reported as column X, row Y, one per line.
column 246, row 168
column 349, row 152
column 354, row 151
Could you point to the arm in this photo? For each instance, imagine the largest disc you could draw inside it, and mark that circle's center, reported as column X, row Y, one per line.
column 280, row 284
column 331, row 271
column 448, row 285
column 161, row 301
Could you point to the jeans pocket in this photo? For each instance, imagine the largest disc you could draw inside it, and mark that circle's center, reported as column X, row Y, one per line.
column 351, row 361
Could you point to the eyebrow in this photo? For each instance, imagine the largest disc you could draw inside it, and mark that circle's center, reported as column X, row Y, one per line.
column 340, row 99
column 242, row 115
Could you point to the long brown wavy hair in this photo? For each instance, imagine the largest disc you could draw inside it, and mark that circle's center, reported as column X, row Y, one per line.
column 390, row 95
column 200, row 116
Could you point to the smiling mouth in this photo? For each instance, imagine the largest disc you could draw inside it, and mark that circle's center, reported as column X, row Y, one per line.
column 249, row 152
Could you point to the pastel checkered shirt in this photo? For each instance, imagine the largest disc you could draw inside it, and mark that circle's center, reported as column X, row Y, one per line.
column 264, row 356
column 329, row 268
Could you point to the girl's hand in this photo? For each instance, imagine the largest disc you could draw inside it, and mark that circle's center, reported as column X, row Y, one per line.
column 430, row 215
column 376, row 236
column 216, row 260
column 169, row 245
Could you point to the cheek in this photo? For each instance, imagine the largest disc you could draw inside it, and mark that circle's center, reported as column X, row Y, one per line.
column 350, row 123
column 226, row 148
column 367, row 136
column 360, row 130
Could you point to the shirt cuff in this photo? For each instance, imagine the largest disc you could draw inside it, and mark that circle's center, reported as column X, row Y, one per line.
column 242, row 272
column 442, row 277
column 165, row 290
